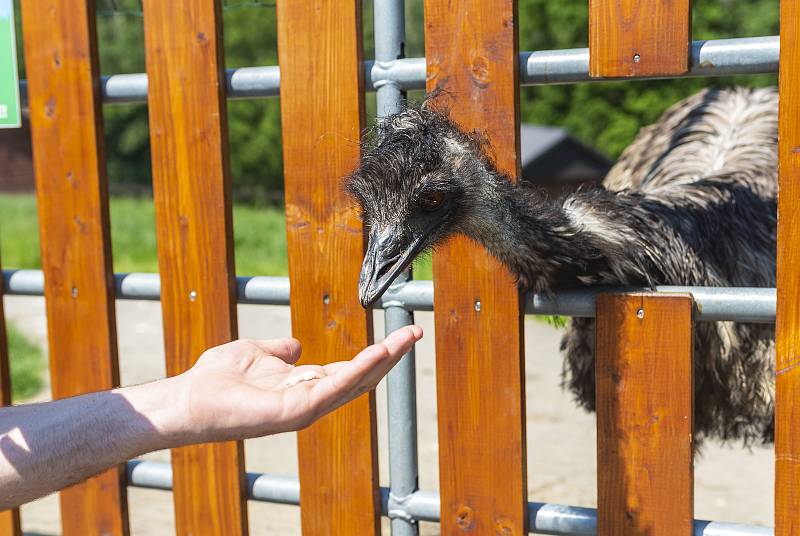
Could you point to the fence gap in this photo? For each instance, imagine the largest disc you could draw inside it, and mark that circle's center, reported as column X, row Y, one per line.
column 629, row 38
column 787, row 326
column 322, row 115
column 192, row 192
column 645, row 478
column 471, row 49
column 72, row 198
column 9, row 519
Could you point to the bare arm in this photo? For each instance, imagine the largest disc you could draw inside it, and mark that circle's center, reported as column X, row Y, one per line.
column 238, row 390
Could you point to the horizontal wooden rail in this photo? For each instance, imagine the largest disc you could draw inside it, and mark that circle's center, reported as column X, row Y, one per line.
column 645, row 482
column 71, row 189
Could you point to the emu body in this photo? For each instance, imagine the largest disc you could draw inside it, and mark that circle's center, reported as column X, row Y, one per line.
column 692, row 201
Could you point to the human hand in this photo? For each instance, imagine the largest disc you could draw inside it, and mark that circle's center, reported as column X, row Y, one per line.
column 238, row 390
column 250, row 388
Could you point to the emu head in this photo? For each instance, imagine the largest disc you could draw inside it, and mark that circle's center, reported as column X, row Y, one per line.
column 417, row 181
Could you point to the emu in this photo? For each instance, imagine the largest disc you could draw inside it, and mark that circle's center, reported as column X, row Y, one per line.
column 692, row 201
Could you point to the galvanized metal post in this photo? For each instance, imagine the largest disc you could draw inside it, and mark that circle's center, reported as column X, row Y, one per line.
column 401, row 382
column 390, row 32
column 402, row 406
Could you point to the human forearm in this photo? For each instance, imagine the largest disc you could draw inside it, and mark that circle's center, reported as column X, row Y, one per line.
column 238, row 390
column 47, row 446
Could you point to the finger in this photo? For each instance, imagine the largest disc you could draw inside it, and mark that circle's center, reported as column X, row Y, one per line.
column 347, row 379
column 400, row 341
column 288, row 349
column 391, row 348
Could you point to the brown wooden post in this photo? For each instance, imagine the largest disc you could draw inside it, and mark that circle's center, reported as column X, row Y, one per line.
column 191, row 184
column 645, row 479
column 629, row 38
column 787, row 395
column 9, row 519
column 472, row 49
column 322, row 113
column 69, row 163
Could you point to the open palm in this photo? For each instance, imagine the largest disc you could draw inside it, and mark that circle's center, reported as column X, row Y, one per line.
column 250, row 388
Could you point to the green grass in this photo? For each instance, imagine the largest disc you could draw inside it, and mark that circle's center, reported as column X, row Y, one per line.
column 259, row 243
column 19, row 234
column 259, row 237
column 27, row 365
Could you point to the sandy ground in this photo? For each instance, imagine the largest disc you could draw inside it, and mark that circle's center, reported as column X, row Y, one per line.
column 731, row 484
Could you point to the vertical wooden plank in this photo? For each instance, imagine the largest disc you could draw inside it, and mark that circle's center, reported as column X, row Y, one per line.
column 787, row 327
column 191, row 185
column 9, row 519
column 645, row 480
column 322, row 113
column 629, row 38
column 69, row 164
column 472, row 50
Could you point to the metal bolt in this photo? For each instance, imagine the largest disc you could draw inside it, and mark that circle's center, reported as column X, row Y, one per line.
column 326, row 299
column 477, row 305
column 74, row 292
column 640, row 314
column 192, row 295
column 636, row 58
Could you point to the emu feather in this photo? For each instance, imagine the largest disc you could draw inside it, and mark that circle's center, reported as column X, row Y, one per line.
column 692, row 201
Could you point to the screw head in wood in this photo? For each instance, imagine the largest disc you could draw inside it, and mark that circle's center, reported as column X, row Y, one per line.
column 465, row 517
column 478, row 305
column 74, row 292
column 326, row 299
column 640, row 314
column 636, row 58
column 192, row 295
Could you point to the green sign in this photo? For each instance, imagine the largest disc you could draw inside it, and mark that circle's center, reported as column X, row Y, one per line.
column 9, row 82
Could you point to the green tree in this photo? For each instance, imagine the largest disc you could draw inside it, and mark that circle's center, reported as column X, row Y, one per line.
column 604, row 115
column 250, row 39
column 608, row 115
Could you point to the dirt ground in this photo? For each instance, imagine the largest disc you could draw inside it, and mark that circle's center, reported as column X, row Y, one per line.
column 731, row 484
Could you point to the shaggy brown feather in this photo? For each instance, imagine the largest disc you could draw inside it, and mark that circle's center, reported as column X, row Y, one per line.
column 692, row 201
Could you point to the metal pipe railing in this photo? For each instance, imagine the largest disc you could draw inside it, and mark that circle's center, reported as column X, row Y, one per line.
column 390, row 75
column 543, row 518
column 736, row 304
column 717, row 57
column 401, row 384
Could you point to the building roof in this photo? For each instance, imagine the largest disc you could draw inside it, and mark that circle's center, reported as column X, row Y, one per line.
column 549, row 155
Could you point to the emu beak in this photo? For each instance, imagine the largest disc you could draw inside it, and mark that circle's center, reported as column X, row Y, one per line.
column 386, row 258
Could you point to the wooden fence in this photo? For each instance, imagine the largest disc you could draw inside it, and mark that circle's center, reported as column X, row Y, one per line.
column 645, row 482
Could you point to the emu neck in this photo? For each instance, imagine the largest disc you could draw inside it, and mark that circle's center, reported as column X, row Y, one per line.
column 539, row 240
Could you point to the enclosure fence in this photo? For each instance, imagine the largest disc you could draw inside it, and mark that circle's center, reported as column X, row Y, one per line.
column 472, row 49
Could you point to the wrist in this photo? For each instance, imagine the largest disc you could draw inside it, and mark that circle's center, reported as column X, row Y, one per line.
column 164, row 406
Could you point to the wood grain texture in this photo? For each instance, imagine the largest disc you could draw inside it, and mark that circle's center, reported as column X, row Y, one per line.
column 9, row 519
column 472, row 49
column 191, row 186
column 10, row 523
column 787, row 328
column 630, row 38
column 71, row 186
column 645, row 479
column 322, row 113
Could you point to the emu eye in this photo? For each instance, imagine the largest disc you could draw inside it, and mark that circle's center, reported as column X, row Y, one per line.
column 431, row 201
